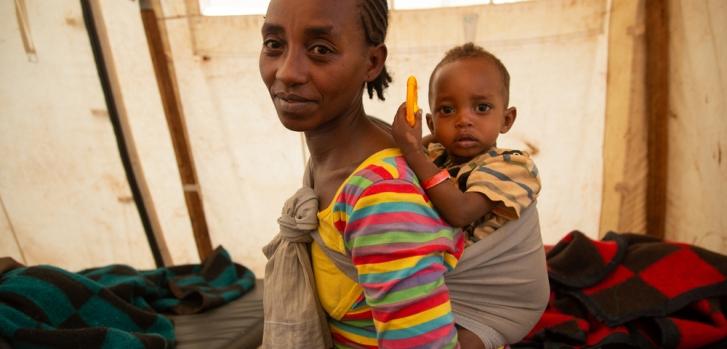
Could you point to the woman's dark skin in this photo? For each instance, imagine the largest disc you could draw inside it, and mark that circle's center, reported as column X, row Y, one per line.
column 315, row 62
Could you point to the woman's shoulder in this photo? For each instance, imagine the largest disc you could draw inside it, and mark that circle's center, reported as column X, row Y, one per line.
column 386, row 165
column 386, row 170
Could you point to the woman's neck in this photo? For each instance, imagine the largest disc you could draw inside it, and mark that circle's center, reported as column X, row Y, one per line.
column 346, row 141
column 339, row 147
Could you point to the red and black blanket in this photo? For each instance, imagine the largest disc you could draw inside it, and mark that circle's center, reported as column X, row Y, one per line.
column 632, row 291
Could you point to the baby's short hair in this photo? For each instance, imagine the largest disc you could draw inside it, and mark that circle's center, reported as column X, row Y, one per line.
column 470, row 50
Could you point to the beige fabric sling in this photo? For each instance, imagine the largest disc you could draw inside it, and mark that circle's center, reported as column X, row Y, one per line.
column 294, row 317
column 501, row 282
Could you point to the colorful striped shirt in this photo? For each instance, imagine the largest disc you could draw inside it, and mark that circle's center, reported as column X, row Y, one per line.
column 401, row 248
column 507, row 177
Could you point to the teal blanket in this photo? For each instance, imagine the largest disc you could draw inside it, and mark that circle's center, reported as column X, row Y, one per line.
column 114, row 306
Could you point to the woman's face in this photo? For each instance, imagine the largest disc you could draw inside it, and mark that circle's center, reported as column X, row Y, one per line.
column 314, row 60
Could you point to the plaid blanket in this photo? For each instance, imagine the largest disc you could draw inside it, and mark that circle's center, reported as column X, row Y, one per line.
column 632, row 291
column 114, row 306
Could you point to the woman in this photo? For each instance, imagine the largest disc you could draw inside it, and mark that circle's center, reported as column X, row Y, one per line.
column 317, row 57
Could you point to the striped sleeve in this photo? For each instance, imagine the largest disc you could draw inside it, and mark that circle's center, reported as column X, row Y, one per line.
column 398, row 244
column 510, row 179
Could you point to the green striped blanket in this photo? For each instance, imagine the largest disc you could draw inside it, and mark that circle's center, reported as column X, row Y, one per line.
column 114, row 306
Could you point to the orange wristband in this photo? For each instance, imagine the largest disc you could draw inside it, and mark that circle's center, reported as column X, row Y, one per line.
column 436, row 180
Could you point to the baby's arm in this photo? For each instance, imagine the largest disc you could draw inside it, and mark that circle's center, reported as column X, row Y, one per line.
column 458, row 209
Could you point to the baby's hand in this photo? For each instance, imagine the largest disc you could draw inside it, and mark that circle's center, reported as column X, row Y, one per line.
column 408, row 138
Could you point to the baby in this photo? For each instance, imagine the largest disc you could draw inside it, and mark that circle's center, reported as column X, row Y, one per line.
column 468, row 97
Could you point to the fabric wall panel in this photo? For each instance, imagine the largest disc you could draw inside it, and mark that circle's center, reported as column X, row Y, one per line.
column 248, row 163
column 697, row 169
column 556, row 54
column 8, row 241
column 141, row 109
column 61, row 178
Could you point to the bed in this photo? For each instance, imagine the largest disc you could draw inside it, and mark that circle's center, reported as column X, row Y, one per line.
column 238, row 324
column 213, row 305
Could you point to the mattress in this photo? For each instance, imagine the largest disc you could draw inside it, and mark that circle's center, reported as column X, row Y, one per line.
column 238, row 324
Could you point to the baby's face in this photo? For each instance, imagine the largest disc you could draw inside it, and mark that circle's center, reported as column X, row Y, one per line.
column 468, row 107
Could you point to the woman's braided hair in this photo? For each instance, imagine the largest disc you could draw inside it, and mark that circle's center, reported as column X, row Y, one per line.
column 375, row 18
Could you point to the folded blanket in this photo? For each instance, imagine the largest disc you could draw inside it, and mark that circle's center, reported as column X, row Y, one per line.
column 632, row 290
column 114, row 306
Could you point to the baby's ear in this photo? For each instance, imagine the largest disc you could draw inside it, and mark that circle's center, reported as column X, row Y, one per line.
column 510, row 116
column 430, row 123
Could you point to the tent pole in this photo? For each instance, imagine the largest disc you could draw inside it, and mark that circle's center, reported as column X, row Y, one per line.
column 165, row 77
column 657, row 108
column 625, row 170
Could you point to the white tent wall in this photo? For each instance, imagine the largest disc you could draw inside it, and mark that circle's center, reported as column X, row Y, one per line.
column 66, row 201
column 8, row 241
column 137, row 97
column 556, row 52
column 248, row 163
column 61, row 180
column 697, row 167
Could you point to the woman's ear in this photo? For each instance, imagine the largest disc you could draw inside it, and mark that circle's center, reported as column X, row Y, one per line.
column 376, row 60
column 510, row 116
